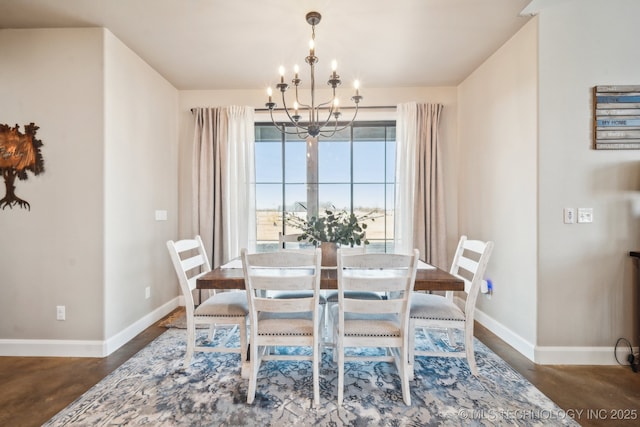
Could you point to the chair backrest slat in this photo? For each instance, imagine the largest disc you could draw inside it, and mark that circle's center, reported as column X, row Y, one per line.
column 190, row 261
column 467, row 264
column 297, row 259
column 290, row 241
column 283, row 305
column 470, row 263
column 373, row 306
column 375, row 284
column 295, row 282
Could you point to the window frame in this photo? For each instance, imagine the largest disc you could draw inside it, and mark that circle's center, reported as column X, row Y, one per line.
column 314, row 155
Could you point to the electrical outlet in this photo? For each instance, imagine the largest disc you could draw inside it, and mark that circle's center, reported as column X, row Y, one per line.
column 61, row 312
column 147, row 292
column 488, row 291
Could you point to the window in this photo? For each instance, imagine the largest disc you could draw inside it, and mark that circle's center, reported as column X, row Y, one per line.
column 353, row 170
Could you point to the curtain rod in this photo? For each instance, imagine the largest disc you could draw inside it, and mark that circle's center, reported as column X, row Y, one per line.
column 373, row 107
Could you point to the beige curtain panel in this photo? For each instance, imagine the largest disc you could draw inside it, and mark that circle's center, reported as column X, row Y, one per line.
column 420, row 221
column 222, row 177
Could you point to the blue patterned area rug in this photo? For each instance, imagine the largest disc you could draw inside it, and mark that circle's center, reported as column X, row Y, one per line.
column 153, row 389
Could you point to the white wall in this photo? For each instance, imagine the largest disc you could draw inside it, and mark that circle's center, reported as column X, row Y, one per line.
column 141, row 176
column 564, row 293
column 90, row 242
column 497, row 126
column 372, row 97
column 52, row 254
column 586, row 287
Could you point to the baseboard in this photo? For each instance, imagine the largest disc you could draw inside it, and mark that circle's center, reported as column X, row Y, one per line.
column 521, row 345
column 553, row 355
column 84, row 348
column 581, row 355
column 51, row 348
column 124, row 336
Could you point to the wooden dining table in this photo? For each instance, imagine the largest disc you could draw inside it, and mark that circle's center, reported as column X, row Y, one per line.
column 428, row 278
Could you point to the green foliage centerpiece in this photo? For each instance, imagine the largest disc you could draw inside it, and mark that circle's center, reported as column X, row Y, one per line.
column 335, row 227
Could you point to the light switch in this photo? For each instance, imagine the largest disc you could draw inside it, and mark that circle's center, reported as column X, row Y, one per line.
column 585, row 215
column 161, row 215
column 569, row 215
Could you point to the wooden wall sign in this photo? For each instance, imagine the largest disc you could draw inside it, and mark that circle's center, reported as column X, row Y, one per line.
column 616, row 117
column 19, row 153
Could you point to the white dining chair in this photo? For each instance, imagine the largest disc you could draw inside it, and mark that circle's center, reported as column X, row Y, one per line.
column 431, row 311
column 374, row 323
column 226, row 310
column 290, row 241
column 293, row 322
column 332, row 295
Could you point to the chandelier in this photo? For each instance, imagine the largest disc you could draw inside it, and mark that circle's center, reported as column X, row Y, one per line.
column 321, row 118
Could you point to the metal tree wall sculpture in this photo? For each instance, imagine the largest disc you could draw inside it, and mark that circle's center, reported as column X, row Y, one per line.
column 19, row 153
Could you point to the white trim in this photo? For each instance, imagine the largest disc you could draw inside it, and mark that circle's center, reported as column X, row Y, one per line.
column 124, row 336
column 580, row 355
column 521, row 345
column 51, row 348
column 553, row 355
column 84, row 348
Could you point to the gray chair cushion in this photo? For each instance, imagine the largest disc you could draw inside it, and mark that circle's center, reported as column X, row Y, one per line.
column 224, row 304
column 429, row 306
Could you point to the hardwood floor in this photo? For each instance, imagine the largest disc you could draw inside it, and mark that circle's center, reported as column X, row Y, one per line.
column 595, row 395
column 36, row 388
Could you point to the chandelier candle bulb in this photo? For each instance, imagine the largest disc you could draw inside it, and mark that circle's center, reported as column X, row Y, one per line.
column 281, row 69
column 269, row 93
column 311, row 48
column 296, row 69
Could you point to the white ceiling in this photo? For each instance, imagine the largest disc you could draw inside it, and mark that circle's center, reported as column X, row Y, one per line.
column 239, row 44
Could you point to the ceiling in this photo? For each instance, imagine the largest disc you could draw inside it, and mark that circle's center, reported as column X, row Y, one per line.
column 216, row 44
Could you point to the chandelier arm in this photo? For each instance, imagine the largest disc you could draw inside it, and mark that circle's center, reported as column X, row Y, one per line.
column 277, row 125
column 286, row 110
column 280, row 126
column 331, row 113
column 327, row 121
column 349, row 123
column 303, row 135
column 326, row 134
column 298, row 100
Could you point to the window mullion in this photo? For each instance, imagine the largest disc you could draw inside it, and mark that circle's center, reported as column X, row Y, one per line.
column 312, row 176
